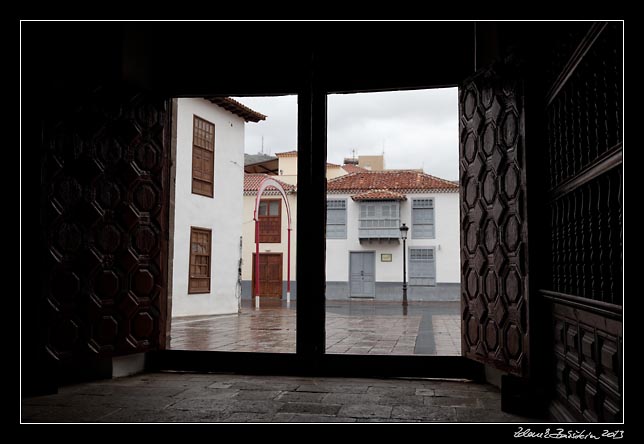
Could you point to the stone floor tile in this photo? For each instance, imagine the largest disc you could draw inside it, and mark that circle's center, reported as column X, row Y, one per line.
column 73, row 413
column 350, row 398
column 425, row 392
column 424, row 413
column 392, row 390
column 365, row 411
column 201, row 404
column 310, row 408
column 243, row 406
column 331, row 387
column 245, row 417
column 435, row 401
column 257, row 394
column 260, row 385
column 300, row 397
column 318, row 418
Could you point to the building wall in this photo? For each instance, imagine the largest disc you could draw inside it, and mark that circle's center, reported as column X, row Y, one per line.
column 287, row 169
column 389, row 274
column 221, row 214
column 248, row 248
column 373, row 163
column 334, row 171
column 288, row 165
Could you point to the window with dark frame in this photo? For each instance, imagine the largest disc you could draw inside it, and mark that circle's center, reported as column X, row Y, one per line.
column 199, row 276
column 270, row 221
column 203, row 157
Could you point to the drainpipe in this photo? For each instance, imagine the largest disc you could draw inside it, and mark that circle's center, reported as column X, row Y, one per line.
column 238, row 289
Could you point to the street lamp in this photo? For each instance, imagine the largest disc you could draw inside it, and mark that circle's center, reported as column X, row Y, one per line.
column 403, row 235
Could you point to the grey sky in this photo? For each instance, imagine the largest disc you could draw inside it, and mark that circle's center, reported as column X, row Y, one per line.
column 418, row 129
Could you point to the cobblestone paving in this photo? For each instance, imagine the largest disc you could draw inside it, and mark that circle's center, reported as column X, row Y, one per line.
column 189, row 397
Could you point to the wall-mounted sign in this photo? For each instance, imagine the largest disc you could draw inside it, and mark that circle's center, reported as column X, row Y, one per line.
column 385, row 257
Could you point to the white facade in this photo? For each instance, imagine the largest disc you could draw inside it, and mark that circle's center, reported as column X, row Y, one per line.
column 446, row 246
column 222, row 214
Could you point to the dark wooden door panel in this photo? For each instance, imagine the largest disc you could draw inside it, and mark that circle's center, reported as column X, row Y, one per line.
column 494, row 279
column 584, row 286
column 105, row 218
column 270, row 275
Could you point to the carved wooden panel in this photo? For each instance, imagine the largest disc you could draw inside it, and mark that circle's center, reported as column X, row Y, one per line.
column 105, row 177
column 584, row 138
column 585, row 116
column 586, row 238
column 494, row 281
column 587, row 357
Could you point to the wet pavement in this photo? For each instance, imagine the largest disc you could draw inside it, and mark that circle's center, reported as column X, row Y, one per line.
column 352, row 327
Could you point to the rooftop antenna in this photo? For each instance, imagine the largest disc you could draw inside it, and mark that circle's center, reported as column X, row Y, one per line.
column 262, row 144
column 383, row 147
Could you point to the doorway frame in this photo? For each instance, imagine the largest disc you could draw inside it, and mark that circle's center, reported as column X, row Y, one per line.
column 310, row 357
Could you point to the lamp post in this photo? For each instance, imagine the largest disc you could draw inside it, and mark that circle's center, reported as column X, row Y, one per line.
column 403, row 235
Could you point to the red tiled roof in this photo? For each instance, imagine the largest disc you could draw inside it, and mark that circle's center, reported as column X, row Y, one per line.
column 252, row 181
column 390, row 180
column 379, row 195
column 353, row 168
column 240, row 109
column 287, row 154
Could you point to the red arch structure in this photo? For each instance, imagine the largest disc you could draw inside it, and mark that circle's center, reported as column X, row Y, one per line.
column 264, row 184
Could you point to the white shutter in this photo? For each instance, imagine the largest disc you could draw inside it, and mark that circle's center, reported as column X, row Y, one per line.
column 336, row 219
column 423, row 219
column 422, row 267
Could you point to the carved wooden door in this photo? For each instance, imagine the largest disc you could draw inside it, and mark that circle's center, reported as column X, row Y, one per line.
column 494, row 278
column 270, row 275
column 105, row 225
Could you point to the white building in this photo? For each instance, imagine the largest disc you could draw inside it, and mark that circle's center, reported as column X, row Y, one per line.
column 209, row 176
column 364, row 252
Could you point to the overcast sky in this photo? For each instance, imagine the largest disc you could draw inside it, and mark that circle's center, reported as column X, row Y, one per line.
column 416, row 129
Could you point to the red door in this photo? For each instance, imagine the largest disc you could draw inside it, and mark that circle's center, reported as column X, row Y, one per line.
column 270, row 275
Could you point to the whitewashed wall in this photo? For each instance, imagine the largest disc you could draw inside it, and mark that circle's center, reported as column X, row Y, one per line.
column 222, row 214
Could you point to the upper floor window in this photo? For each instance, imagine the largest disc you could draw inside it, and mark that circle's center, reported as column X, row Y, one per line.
column 379, row 220
column 203, row 157
column 336, row 219
column 422, row 217
column 270, row 221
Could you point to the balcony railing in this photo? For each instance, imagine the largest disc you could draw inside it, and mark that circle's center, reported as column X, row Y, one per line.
column 379, row 229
